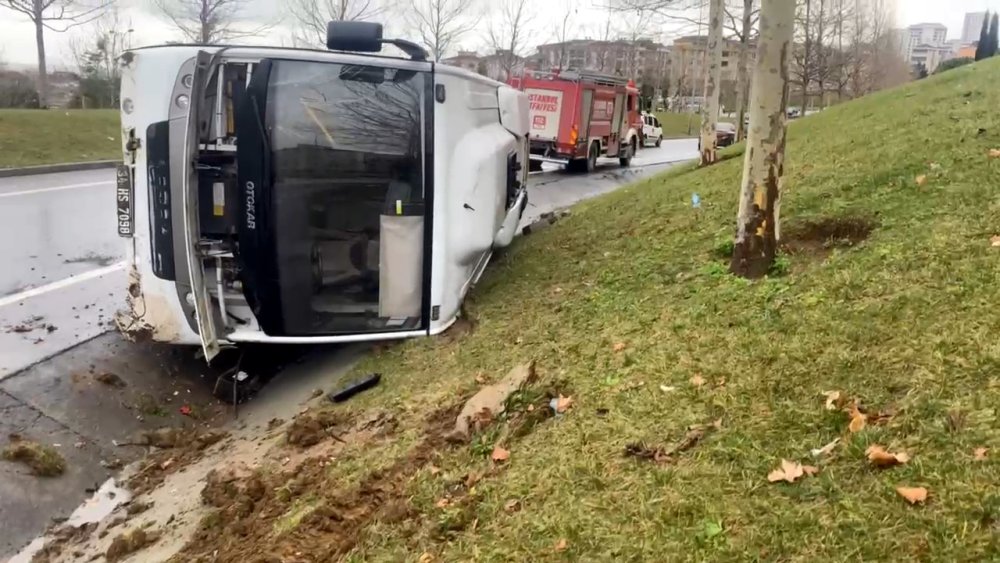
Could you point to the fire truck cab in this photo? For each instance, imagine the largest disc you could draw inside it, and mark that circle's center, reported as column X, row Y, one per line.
column 577, row 117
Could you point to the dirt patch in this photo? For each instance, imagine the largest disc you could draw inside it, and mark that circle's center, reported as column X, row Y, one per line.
column 669, row 454
column 248, row 505
column 819, row 237
column 177, row 448
column 42, row 460
column 60, row 538
column 129, row 543
column 311, row 428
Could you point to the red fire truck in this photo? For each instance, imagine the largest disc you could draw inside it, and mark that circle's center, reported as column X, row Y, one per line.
column 578, row 116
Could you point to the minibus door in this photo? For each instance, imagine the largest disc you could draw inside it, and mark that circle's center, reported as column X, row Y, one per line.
column 189, row 198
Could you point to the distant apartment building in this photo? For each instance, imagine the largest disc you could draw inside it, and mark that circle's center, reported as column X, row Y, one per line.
column 497, row 66
column 469, row 60
column 643, row 60
column 972, row 26
column 688, row 64
column 926, row 45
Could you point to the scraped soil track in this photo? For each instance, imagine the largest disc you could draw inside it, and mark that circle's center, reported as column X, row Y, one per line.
column 242, row 529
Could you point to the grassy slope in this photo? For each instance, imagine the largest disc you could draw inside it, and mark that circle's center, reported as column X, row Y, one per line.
column 904, row 320
column 33, row 137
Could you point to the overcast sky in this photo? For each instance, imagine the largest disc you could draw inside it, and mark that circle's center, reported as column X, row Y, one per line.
column 17, row 40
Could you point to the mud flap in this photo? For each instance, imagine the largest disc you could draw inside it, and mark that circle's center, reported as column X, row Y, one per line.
column 192, row 232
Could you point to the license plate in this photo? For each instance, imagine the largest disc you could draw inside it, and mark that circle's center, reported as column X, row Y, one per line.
column 125, row 207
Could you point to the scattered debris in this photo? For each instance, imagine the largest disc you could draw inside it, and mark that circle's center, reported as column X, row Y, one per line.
column 913, row 495
column 661, row 454
column 499, row 454
column 316, row 393
column 994, row 153
column 825, row 450
column 185, row 410
column 43, row 460
column 490, row 400
column 561, row 404
column 562, row 544
column 995, row 241
column 129, row 543
column 790, row 471
column 697, row 380
column 274, row 423
column 138, row 507
column 667, row 388
column 921, row 179
column 879, row 457
column 979, row 454
column 355, row 387
column 512, row 505
column 619, row 347
column 111, row 380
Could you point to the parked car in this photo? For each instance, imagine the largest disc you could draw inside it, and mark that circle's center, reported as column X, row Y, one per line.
column 725, row 135
column 651, row 130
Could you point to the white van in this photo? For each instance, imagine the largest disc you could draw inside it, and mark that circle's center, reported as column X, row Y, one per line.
column 307, row 196
column 652, row 132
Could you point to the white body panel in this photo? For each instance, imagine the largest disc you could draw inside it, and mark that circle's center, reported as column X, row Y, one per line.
column 478, row 127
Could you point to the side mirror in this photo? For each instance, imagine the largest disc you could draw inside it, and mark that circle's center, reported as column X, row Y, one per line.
column 363, row 37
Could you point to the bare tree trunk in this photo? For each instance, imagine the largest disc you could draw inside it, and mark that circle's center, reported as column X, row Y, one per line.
column 713, row 76
column 758, row 229
column 807, row 61
column 43, row 73
column 743, row 71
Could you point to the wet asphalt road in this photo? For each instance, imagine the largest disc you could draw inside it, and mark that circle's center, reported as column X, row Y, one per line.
column 65, row 271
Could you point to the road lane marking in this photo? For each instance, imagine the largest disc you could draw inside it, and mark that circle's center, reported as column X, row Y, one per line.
column 56, row 189
column 61, row 284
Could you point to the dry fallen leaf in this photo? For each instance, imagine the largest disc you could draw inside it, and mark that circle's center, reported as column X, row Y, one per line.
column 443, row 503
column 921, row 179
column 979, row 454
column 426, row 558
column 995, row 240
column 810, row 470
column 788, row 471
column 563, row 404
column 825, row 450
column 857, row 419
column 833, row 400
column 697, row 380
column 512, row 505
column 721, row 383
column 881, row 458
column 434, row 470
column 562, row 544
column 913, row 495
column 480, row 378
column 500, row 454
column 994, row 153
column 619, row 346
column 667, row 388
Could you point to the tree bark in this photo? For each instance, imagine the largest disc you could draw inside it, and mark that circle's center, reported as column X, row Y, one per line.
column 713, row 76
column 758, row 230
column 43, row 74
column 743, row 76
column 807, row 62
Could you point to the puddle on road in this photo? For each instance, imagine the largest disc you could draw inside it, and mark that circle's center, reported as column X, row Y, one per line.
column 98, row 507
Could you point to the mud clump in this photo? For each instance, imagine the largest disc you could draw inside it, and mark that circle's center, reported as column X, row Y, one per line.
column 819, row 237
column 310, row 429
column 111, row 380
column 129, row 543
column 42, row 460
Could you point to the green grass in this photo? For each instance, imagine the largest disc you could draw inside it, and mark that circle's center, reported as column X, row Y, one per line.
column 904, row 320
column 680, row 125
column 35, row 137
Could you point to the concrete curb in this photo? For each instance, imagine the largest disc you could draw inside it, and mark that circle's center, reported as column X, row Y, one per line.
column 53, row 168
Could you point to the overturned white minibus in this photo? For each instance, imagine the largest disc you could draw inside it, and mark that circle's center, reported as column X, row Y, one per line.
column 305, row 196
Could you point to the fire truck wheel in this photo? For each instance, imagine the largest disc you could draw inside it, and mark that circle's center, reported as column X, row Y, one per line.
column 629, row 153
column 592, row 157
column 659, row 141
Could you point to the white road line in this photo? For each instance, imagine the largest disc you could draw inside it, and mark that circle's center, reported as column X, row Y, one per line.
column 63, row 283
column 56, row 189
